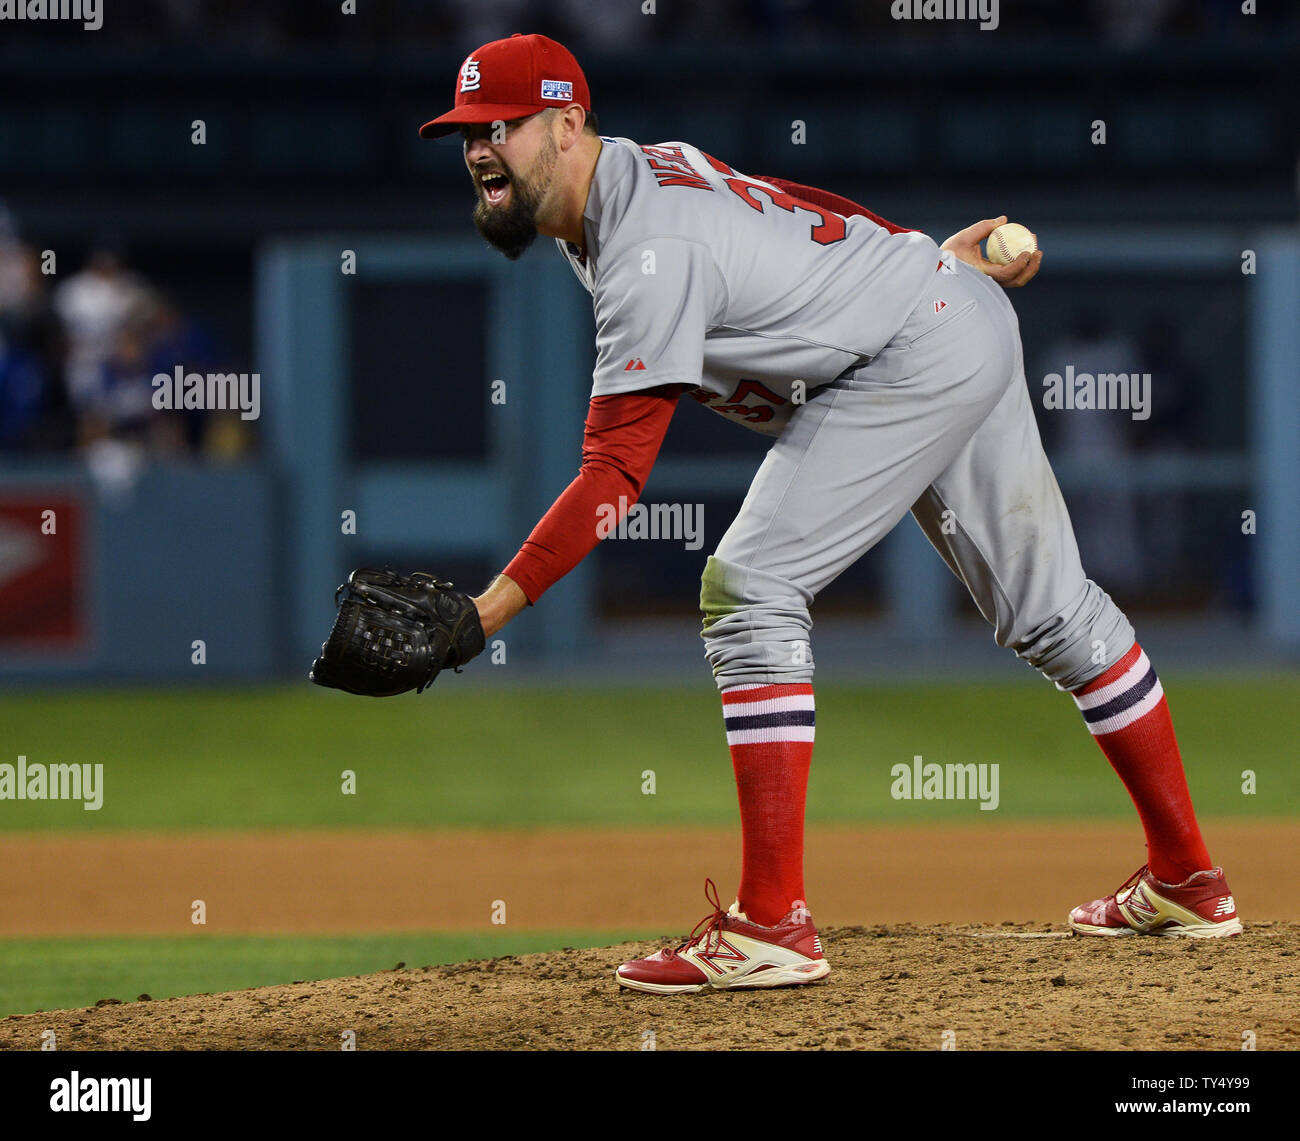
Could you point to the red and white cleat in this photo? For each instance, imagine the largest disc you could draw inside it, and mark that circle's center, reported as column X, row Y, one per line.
column 728, row 952
column 1201, row 907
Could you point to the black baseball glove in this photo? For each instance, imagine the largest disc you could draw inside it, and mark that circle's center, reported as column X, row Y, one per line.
column 395, row 633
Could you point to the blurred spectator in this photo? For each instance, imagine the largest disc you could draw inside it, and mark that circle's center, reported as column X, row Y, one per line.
column 118, row 400
column 93, row 306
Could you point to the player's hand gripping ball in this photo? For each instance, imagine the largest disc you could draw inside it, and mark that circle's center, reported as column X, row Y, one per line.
column 395, row 633
column 1008, row 242
column 1020, row 249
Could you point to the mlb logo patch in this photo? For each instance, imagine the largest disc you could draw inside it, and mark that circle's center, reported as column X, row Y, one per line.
column 557, row 89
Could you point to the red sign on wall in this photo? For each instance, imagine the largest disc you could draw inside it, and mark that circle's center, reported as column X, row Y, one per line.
column 42, row 575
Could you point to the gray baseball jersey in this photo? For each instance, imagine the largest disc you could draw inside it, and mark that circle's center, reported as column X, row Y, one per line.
column 703, row 276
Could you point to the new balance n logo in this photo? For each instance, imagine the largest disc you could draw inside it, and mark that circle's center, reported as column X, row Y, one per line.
column 724, row 951
column 1140, row 905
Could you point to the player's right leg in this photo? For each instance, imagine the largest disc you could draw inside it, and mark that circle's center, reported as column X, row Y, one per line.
column 997, row 516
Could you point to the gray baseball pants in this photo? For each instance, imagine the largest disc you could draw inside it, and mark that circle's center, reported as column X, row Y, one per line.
column 939, row 423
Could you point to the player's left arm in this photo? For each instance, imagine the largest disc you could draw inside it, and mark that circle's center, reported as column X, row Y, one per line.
column 620, row 444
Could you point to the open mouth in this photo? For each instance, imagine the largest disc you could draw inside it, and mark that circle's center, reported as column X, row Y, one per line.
column 495, row 187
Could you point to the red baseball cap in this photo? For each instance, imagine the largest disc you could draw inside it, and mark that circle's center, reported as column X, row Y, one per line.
column 508, row 79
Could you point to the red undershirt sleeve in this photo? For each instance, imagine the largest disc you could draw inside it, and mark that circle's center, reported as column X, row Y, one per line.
column 833, row 202
column 620, row 444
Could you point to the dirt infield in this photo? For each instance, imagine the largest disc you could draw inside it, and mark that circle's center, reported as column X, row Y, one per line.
column 971, row 941
column 591, row 880
column 1012, row 987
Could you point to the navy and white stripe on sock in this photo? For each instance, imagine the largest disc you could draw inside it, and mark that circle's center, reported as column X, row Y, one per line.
column 1124, row 694
column 758, row 713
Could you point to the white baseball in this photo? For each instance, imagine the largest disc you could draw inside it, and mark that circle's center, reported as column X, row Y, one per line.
column 1008, row 242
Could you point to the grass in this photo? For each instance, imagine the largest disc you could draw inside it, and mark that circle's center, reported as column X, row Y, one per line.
column 276, row 757
column 57, row 974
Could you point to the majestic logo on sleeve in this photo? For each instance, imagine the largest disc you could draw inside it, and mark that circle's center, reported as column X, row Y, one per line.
column 469, row 76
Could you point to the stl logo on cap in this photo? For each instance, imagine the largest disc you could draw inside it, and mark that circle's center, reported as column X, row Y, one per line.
column 469, row 76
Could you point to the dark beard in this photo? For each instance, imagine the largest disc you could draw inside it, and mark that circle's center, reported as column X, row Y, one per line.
column 512, row 228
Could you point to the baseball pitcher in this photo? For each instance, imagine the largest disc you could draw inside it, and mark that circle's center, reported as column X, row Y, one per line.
column 888, row 372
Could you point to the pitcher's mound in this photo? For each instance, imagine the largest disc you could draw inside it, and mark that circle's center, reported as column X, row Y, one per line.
column 1012, row 987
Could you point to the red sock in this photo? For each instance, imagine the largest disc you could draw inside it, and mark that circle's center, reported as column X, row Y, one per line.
column 770, row 733
column 1125, row 709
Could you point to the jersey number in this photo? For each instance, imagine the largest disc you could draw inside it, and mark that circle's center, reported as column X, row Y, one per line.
column 826, row 232
column 754, row 413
